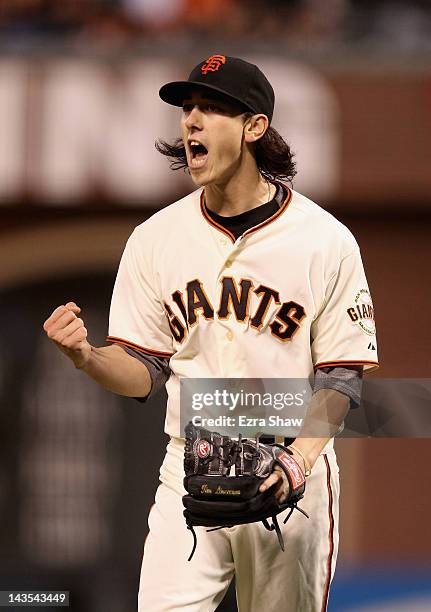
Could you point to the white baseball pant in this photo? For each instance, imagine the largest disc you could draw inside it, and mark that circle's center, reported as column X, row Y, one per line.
column 267, row 579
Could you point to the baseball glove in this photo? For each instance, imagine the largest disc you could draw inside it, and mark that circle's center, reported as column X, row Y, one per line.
column 217, row 499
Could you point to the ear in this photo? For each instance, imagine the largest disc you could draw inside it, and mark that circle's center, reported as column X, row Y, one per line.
column 255, row 127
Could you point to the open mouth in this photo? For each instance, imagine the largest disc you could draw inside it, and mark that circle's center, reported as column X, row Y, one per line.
column 199, row 154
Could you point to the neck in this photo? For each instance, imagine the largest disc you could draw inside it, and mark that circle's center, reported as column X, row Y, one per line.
column 241, row 193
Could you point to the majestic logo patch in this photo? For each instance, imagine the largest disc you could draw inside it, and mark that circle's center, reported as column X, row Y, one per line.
column 362, row 313
column 203, row 449
column 213, row 63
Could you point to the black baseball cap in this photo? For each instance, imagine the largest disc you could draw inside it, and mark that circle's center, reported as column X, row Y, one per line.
column 233, row 77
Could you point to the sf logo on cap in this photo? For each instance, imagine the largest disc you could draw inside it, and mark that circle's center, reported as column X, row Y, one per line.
column 213, row 63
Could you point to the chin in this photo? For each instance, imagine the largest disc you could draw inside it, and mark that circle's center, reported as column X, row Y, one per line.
column 200, row 178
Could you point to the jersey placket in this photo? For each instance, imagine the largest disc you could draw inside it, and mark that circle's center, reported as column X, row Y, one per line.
column 229, row 358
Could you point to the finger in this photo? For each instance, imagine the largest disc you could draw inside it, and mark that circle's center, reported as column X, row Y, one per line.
column 282, row 490
column 76, row 340
column 281, row 496
column 58, row 312
column 53, row 317
column 270, row 481
column 63, row 334
column 74, row 307
column 64, row 318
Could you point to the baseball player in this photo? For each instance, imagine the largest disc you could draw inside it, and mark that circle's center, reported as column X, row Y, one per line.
column 242, row 278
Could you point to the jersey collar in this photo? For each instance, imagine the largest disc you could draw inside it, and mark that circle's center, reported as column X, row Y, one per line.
column 257, row 227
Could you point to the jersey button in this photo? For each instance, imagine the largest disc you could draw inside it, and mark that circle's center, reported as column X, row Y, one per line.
column 228, row 264
column 223, row 241
column 229, row 336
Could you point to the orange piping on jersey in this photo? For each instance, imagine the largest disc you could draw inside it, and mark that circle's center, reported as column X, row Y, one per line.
column 137, row 347
column 328, row 364
column 222, row 229
column 331, row 536
column 275, row 216
column 211, row 221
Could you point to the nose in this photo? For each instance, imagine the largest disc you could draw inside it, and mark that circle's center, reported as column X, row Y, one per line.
column 194, row 118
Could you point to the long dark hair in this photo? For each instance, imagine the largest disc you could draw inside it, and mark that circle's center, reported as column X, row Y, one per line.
column 274, row 157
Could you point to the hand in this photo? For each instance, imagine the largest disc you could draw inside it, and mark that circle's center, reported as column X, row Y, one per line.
column 68, row 332
column 278, row 479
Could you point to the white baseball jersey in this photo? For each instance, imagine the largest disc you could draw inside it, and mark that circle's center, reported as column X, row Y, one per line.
column 288, row 296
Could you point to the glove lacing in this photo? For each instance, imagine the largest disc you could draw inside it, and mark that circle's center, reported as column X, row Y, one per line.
column 273, row 527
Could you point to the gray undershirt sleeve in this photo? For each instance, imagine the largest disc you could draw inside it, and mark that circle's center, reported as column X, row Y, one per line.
column 343, row 379
column 158, row 368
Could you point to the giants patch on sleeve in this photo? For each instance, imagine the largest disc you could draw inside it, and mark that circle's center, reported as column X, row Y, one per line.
column 361, row 313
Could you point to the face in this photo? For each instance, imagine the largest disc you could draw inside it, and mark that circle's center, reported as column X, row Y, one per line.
column 213, row 135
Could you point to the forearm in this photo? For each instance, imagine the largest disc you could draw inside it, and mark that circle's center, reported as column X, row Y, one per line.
column 326, row 412
column 117, row 371
column 110, row 366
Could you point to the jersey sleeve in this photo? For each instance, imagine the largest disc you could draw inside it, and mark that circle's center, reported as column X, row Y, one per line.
column 137, row 317
column 344, row 333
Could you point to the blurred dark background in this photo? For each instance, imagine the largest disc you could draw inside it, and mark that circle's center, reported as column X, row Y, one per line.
column 79, row 114
column 403, row 24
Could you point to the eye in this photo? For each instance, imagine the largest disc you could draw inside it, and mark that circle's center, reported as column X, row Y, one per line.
column 187, row 107
column 214, row 108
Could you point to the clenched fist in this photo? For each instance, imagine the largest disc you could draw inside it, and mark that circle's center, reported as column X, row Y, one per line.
column 68, row 332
